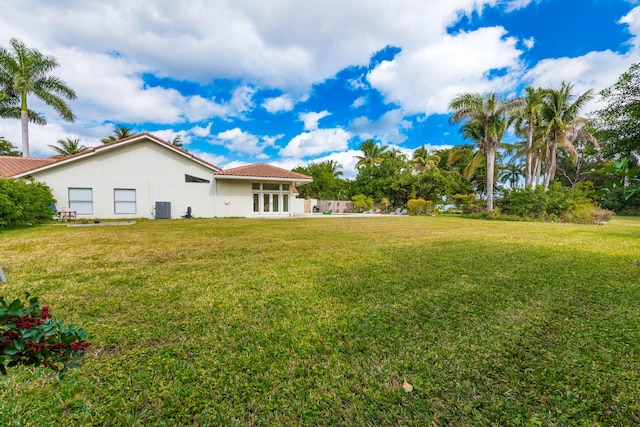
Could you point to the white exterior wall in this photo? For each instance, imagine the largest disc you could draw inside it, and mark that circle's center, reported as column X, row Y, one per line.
column 234, row 197
column 155, row 172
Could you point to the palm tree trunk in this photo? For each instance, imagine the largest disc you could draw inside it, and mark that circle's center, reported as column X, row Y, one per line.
column 550, row 169
column 528, row 173
column 491, row 161
column 24, row 117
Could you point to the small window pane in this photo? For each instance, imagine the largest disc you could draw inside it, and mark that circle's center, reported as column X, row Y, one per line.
column 266, row 203
column 275, row 203
column 285, row 203
column 270, row 187
column 256, row 203
column 255, row 185
column 285, row 187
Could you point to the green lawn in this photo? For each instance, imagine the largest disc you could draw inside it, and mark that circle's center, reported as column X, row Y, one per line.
column 317, row 322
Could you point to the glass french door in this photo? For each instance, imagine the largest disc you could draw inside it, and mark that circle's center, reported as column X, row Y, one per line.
column 274, row 203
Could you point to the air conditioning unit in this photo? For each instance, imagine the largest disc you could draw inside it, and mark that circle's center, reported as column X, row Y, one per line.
column 163, row 210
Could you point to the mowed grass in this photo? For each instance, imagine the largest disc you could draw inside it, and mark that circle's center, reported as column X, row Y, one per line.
column 318, row 322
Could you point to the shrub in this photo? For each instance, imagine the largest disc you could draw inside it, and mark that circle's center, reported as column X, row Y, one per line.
column 23, row 202
column 419, row 206
column 468, row 203
column 362, row 203
column 527, row 202
column 30, row 336
column 588, row 214
column 557, row 204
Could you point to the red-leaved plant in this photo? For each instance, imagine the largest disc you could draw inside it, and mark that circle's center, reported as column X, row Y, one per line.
column 30, row 336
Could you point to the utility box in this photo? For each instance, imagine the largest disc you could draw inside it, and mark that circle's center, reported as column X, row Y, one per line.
column 163, row 210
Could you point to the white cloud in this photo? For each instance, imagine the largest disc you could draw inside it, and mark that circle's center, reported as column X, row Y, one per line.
column 238, row 141
column 386, row 129
column 518, row 4
column 201, row 131
column 208, row 157
column 311, row 119
column 425, row 79
column 234, row 164
column 632, row 20
column 316, row 142
column 529, row 43
column 274, row 44
column 359, row 102
column 595, row 70
column 278, row 104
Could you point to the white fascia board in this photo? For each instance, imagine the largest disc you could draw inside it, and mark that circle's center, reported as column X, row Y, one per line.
column 262, row 178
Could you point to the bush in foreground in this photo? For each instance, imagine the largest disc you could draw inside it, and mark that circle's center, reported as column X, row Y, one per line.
column 30, row 336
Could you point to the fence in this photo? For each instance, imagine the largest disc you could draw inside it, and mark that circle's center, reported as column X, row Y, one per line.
column 335, row 206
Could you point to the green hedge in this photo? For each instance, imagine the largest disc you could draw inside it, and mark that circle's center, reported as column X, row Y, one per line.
column 23, row 202
column 557, row 204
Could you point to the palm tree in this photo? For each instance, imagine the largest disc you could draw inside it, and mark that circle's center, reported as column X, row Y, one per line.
column 372, row 154
column 332, row 167
column 424, row 161
column 526, row 121
column 119, row 132
column 559, row 114
column 24, row 72
column 67, row 147
column 487, row 116
column 511, row 174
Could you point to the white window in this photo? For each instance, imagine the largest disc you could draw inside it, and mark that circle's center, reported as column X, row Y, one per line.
column 81, row 200
column 270, row 198
column 124, row 201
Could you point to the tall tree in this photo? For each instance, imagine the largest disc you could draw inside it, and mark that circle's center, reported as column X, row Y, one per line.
column 559, row 112
column 492, row 115
column 24, row 72
column 327, row 181
column 119, row 132
column 526, row 121
column 67, row 147
column 372, row 154
column 620, row 118
column 574, row 165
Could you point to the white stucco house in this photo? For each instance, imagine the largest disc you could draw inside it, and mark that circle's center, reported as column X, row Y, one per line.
column 143, row 176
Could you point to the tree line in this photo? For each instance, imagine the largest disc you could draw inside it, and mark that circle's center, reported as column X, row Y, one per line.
column 598, row 155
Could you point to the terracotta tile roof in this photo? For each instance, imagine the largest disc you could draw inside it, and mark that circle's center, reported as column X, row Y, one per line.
column 262, row 170
column 13, row 165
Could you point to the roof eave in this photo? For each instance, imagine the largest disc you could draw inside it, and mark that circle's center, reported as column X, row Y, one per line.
column 253, row 178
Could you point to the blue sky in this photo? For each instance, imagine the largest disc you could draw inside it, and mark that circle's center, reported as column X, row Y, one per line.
column 287, row 82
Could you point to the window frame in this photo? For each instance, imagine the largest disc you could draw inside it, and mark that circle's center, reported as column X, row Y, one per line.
column 119, row 203
column 77, row 203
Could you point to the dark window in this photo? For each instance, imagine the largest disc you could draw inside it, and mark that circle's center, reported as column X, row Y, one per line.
column 189, row 178
column 271, row 187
